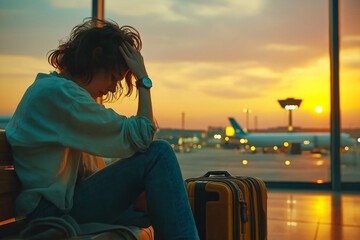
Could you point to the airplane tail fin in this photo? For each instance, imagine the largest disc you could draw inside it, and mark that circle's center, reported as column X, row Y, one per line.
column 237, row 128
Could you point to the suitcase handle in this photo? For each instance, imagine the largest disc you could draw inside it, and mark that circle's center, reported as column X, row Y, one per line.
column 217, row 173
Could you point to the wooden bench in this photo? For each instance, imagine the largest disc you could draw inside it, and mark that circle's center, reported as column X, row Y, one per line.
column 10, row 187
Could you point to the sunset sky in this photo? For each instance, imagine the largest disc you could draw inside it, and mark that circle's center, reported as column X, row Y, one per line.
column 207, row 58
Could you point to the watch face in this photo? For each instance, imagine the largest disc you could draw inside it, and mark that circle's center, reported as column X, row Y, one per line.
column 147, row 82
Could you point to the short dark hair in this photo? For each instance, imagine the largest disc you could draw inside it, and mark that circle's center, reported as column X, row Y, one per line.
column 76, row 54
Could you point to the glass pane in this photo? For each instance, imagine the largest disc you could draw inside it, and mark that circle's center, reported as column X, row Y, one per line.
column 349, row 89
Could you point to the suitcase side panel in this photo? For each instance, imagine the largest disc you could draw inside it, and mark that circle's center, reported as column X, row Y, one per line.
column 211, row 202
column 258, row 202
column 262, row 215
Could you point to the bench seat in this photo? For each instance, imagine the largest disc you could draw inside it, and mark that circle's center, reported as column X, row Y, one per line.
column 10, row 187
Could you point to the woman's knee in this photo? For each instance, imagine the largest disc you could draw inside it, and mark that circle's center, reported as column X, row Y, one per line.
column 163, row 151
column 162, row 144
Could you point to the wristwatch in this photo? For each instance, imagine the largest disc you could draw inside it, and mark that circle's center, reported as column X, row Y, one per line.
column 144, row 82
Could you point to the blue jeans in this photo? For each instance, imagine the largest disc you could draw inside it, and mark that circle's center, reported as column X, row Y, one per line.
column 107, row 196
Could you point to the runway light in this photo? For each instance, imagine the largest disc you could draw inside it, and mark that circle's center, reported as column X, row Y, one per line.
column 318, row 109
column 306, row 142
column 316, row 155
column 217, row 136
column 242, row 141
column 226, row 138
column 275, row 148
column 320, row 163
column 346, row 148
column 199, row 146
column 245, row 162
column 319, row 181
column 247, row 147
column 287, row 162
column 286, row 144
column 290, row 128
column 252, row 148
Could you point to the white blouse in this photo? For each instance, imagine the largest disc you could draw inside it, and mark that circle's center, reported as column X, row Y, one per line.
column 53, row 124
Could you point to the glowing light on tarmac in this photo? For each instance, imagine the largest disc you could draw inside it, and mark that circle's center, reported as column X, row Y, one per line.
column 287, row 162
column 320, row 163
column 275, row 148
column 318, row 109
column 316, row 155
column 245, row 162
column 217, row 136
column 286, row 144
column 320, row 181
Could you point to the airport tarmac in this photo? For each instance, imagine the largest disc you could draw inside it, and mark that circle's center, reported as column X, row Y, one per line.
column 306, row 167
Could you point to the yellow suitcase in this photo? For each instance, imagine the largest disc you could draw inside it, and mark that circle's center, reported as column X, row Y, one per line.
column 227, row 207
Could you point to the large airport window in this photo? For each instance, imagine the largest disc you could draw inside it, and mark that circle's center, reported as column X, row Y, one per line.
column 266, row 65
column 241, row 86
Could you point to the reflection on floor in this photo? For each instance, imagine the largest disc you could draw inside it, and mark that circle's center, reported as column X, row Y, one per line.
column 313, row 215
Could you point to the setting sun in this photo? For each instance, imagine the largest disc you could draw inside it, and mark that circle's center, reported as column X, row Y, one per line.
column 318, row 109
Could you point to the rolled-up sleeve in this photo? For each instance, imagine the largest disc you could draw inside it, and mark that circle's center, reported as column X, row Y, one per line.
column 92, row 128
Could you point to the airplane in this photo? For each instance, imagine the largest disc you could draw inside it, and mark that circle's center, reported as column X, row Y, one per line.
column 4, row 121
column 308, row 141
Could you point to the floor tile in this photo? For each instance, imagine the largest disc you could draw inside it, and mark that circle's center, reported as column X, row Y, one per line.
column 285, row 230
column 333, row 232
column 351, row 210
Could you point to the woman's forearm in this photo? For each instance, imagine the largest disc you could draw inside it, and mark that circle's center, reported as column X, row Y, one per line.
column 144, row 105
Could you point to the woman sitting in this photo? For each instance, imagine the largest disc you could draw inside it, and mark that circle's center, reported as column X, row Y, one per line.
column 58, row 122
